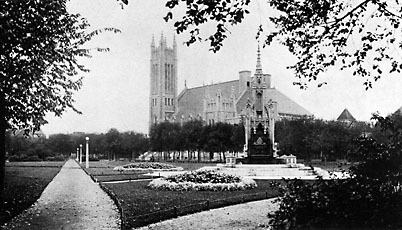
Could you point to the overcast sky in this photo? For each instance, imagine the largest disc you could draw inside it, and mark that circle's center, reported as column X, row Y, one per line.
column 115, row 93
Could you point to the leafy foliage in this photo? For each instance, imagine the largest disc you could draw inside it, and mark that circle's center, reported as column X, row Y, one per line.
column 58, row 146
column 40, row 47
column 313, row 138
column 369, row 198
column 196, row 136
column 364, row 36
column 223, row 12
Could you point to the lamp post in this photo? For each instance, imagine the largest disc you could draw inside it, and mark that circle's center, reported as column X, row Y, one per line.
column 80, row 153
column 87, row 152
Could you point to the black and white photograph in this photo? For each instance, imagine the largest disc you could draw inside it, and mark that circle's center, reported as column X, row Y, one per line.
column 201, row 114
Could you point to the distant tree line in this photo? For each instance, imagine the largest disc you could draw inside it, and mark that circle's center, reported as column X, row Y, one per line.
column 111, row 145
column 310, row 138
column 305, row 138
column 196, row 138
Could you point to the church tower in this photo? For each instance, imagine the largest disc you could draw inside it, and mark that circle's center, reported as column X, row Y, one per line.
column 163, row 93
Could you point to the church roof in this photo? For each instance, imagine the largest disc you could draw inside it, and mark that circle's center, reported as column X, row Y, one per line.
column 191, row 101
column 346, row 116
column 285, row 104
column 242, row 101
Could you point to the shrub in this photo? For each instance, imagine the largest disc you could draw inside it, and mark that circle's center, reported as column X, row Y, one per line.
column 23, row 157
column 203, row 181
column 90, row 158
column 55, row 158
column 370, row 198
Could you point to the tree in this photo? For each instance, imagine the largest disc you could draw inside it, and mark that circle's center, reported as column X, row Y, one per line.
column 113, row 143
column 192, row 136
column 60, row 143
column 133, row 144
column 358, row 35
column 237, row 138
column 369, row 198
column 40, row 44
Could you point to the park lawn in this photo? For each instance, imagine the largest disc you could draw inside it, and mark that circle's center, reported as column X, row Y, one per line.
column 102, row 171
column 105, row 164
column 141, row 205
column 24, row 183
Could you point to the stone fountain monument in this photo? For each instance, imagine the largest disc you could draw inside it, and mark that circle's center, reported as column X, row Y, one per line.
column 258, row 119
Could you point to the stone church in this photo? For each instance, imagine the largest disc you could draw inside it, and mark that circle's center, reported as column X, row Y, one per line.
column 221, row 102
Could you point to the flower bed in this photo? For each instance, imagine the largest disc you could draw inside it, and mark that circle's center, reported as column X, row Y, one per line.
column 153, row 166
column 204, row 180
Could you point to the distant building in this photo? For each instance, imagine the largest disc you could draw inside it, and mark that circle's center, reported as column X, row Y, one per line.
column 221, row 102
column 346, row 117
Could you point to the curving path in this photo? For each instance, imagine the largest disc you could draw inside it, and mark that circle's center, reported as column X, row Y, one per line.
column 247, row 216
column 70, row 201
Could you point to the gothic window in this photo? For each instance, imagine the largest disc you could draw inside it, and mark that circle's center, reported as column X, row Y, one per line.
column 157, row 77
column 166, row 77
column 170, row 78
column 173, row 80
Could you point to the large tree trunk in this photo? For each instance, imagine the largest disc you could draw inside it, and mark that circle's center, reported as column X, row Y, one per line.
column 2, row 143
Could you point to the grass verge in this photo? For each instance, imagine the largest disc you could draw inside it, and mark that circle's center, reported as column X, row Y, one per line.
column 102, row 171
column 24, row 183
column 141, row 206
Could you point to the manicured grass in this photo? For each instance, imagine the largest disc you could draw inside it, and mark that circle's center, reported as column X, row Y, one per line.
column 57, row 164
column 141, row 205
column 24, row 183
column 102, row 171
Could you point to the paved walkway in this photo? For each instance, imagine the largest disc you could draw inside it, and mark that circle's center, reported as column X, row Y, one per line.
column 71, row 201
column 248, row 216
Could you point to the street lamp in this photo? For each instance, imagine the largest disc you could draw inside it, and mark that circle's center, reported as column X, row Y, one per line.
column 80, row 153
column 87, row 152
